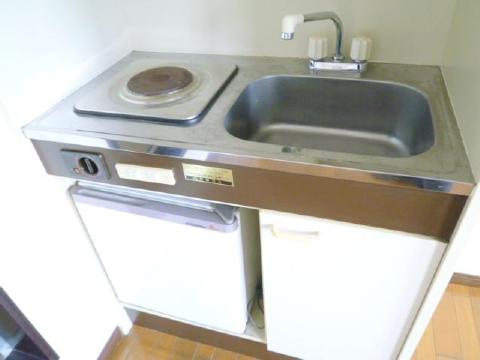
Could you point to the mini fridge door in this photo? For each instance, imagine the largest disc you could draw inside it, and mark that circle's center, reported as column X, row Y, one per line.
column 186, row 262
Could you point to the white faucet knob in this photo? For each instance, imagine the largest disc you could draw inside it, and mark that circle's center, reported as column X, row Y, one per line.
column 317, row 47
column 361, row 48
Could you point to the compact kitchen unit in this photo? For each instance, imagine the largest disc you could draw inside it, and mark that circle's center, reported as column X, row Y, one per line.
column 377, row 191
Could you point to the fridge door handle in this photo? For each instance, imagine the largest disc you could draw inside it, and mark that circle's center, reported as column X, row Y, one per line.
column 292, row 234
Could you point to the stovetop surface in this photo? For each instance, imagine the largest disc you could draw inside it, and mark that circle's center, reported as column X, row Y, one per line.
column 165, row 90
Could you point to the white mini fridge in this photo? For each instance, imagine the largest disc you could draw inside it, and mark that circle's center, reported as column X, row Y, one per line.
column 182, row 258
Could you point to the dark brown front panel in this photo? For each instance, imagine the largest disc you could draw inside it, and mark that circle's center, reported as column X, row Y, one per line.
column 415, row 211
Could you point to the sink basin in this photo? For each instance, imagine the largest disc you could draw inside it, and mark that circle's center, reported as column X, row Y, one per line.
column 351, row 116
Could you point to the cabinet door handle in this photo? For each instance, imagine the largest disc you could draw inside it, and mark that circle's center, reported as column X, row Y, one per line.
column 290, row 234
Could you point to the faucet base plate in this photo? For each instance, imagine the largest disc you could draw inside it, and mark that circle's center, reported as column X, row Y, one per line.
column 332, row 64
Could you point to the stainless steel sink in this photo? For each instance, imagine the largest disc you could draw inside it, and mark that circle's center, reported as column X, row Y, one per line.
column 351, row 116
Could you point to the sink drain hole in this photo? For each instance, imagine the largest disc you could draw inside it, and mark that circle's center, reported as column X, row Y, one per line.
column 291, row 149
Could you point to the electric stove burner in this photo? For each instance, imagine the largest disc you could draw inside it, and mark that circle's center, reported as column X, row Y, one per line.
column 162, row 80
column 159, row 88
column 160, row 85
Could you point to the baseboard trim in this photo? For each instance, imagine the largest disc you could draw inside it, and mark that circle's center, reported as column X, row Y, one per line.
column 465, row 279
column 110, row 344
column 206, row 336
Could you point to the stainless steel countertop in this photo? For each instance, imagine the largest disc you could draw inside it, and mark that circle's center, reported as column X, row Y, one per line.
column 444, row 167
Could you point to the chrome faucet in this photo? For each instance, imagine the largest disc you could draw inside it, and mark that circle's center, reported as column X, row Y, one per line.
column 338, row 61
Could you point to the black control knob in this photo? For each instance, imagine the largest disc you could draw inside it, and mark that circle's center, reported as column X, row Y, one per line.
column 88, row 166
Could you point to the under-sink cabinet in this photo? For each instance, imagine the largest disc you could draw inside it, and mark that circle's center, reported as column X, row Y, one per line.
column 331, row 289
column 336, row 290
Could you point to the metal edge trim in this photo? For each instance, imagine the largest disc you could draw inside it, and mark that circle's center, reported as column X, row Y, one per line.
column 320, row 170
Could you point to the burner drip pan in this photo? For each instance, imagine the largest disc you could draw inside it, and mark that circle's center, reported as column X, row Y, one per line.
column 159, row 81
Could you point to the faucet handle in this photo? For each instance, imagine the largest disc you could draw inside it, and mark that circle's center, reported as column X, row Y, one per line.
column 361, row 48
column 317, row 47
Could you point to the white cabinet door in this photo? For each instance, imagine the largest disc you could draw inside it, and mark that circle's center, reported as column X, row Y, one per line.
column 335, row 290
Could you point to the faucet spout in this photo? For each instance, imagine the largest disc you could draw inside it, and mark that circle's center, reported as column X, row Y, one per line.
column 289, row 23
column 319, row 60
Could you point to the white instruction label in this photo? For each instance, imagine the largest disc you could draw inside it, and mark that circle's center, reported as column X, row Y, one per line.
column 146, row 174
column 208, row 174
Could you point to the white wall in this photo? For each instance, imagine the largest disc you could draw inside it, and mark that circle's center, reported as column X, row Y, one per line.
column 47, row 264
column 407, row 31
column 48, row 48
column 462, row 75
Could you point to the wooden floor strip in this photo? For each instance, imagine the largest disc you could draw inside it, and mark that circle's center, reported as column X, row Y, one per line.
column 426, row 348
column 466, row 322
column 445, row 329
column 203, row 352
column 184, row 349
column 475, row 297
